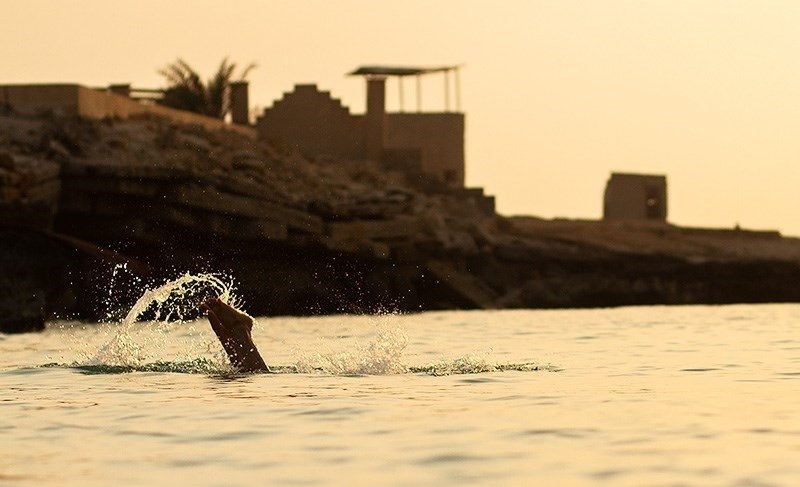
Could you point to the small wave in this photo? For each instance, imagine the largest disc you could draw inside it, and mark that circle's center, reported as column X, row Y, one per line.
column 465, row 365
column 204, row 366
column 196, row 366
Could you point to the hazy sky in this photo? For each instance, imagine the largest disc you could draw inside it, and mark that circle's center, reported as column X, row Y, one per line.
column 558, row 94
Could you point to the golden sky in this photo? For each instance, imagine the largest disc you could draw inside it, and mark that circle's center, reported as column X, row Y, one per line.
column 558, row 94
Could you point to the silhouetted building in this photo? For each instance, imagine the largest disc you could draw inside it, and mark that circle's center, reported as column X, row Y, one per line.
column 429, row 144
column 635, row 197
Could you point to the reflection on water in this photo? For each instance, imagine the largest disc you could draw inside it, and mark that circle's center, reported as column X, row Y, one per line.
column 624, row 397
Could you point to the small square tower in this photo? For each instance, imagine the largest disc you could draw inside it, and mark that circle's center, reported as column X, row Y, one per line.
column 635, row 197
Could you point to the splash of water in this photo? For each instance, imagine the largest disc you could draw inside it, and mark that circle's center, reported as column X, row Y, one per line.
column 170, row 302
column 383, row 355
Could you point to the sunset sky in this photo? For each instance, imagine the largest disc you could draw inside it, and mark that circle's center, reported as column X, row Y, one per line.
column 558, row 94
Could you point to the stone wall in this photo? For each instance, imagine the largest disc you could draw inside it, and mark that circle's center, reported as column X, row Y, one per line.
column 76, row 100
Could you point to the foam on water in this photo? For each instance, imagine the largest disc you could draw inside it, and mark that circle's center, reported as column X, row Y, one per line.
column 383, row 355
column 474, row 364
column 197, row 366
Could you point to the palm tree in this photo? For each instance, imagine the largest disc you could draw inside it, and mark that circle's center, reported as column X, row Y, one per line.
column 186, row 91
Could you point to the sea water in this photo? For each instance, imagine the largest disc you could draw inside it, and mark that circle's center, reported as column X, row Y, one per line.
column 640, row 396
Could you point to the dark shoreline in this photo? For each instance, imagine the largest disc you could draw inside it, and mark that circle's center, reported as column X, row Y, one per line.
column 307, row 236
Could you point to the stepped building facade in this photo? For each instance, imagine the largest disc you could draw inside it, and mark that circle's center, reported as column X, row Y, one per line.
column 426, row 145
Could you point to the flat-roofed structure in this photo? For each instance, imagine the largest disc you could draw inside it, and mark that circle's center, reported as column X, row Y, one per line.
column 635, row 197
column 427, row 144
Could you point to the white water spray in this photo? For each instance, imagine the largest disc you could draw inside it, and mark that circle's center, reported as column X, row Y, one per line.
column 383, row 355
column 171, row 302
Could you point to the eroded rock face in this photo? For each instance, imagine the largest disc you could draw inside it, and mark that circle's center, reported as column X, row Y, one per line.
column 30, row 268
column 46, row 276
column 22, row 310
column 29, row 190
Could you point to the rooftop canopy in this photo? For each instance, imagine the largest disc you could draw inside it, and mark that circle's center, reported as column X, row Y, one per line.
column 398, row 70
column 401, row 72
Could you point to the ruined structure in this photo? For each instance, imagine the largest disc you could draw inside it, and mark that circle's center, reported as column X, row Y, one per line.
column 427, row 146
column 635, row 197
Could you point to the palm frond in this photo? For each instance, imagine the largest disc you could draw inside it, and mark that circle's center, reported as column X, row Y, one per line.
column 186, row 90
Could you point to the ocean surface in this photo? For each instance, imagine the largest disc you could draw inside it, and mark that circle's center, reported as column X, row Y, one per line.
column 640, row 396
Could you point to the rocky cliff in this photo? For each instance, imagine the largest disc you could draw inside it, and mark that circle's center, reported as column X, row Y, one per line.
column 90, row 211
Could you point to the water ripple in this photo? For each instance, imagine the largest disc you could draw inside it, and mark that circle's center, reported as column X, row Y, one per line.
column 558, row 432
column 451, row 458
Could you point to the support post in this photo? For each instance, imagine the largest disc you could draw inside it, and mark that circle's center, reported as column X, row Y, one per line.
column 447, row 90
column 400, row 87
column 458, row 90
column 419, row 93
column 375, row 122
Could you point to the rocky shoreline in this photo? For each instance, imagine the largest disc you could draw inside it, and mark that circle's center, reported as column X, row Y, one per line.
column 304, row 235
